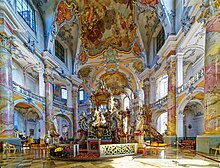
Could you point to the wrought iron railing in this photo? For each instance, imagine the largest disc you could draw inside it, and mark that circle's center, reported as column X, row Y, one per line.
column 27, row 93
column 159, row 102
column 190, row 82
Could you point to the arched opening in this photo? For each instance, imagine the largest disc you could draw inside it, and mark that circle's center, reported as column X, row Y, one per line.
column 126, row 103
column 193, row 121
column 162, row 123
column 63, row 126
column 28, row 121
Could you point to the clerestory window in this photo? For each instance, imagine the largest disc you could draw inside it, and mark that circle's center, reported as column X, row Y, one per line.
column 27, row 12
column 59, row 51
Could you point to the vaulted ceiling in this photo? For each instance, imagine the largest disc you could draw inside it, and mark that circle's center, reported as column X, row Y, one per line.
column 107, row 37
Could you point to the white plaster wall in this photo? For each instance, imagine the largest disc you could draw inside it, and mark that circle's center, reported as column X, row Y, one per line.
column 39, row 32
column 178, row 14
column 189, row 120
column 21, row 122
column 199, row 125
column 17, row 73
column 31, row 84
column 151, row 52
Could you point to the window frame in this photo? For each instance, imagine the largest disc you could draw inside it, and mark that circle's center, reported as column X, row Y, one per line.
column 160, row 40
column 81, row 93
column 61, row 46
column 126, row 102
column 32, row 16
column 161, row 87
column 66, row 93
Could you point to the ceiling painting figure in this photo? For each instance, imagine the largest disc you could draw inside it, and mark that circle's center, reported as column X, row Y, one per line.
column 106, row 24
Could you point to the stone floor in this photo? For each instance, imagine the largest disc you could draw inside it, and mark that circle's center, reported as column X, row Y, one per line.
column 172, row 157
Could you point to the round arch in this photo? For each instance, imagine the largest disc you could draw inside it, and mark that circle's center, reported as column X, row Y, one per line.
column 157, row 114
column 186, row 99
column 69, row 120
column 38, row 109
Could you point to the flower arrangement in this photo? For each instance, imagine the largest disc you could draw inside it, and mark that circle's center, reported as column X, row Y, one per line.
column 67, row 152
column 61, row 152
column 59, row 149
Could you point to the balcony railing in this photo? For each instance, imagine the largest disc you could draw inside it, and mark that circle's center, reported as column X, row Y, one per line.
column 159, row 103
column 62, row 106
column 191, row 82
column 27, row 93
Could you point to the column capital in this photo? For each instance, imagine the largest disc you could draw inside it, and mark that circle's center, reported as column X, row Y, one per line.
column 48, row 77
column 7, row 42
column 179, row 56
column 171, row 66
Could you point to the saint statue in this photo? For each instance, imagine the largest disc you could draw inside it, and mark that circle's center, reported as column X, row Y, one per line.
column 99, row 119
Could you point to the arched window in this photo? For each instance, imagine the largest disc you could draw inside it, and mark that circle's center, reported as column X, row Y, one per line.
column 162, row 123
column 162, row 87
column 81, row 94
column 126, row 103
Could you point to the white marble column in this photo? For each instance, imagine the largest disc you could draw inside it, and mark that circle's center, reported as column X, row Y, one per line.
column 179, row 70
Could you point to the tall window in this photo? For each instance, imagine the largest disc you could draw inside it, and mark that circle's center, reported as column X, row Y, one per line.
column 64, row 93
column 59, row 51
column 81, row 94
column 126, row 103
column 162, row 87
column 26, row 12
column 160, row 39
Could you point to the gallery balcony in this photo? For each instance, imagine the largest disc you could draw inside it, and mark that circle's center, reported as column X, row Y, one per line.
column 159, row 103
column 27, row 94
column 191, row 83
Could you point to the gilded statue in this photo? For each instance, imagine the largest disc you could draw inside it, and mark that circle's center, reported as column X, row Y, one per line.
column 99, row 119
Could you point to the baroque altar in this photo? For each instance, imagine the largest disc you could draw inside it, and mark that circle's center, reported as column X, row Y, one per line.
column 104, row 120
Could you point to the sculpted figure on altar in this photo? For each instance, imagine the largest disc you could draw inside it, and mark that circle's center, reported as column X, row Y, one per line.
column 54, row 131
column 112, row 104
column 99, row 119
column 83, row 123
column 140, row 124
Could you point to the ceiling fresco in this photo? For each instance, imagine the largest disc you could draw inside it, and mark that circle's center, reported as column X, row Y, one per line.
column 116, row 81
column 69, row 35
column 148, row 25
column 65, row 12
column 106, row 23
column 104, row 37
column 150, row 3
